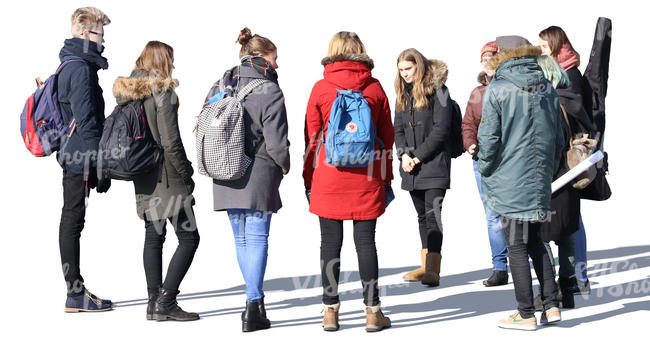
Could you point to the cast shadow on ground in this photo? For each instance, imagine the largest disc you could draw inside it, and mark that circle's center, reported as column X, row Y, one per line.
column 468, row 304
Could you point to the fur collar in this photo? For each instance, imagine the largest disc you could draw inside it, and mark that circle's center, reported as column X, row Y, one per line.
column 506, row 55
column 133, row 88
column 350, row 57
column 436, row 77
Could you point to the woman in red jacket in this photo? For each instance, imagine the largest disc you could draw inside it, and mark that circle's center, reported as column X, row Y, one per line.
column 335, row 193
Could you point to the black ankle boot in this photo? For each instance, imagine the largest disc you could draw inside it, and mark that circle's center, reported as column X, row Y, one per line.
column 498, row 278
column 153, row 296
column 253, row 319
column 573, row 285
column 566, row 299
column 262, row 310
column 166, row 308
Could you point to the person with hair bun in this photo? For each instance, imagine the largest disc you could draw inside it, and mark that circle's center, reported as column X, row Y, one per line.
column 337, row 194
column 251, row 200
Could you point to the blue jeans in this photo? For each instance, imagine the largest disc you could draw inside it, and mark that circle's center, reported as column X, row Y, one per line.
column 251, row 231
column 580, row 241
column 495, row 232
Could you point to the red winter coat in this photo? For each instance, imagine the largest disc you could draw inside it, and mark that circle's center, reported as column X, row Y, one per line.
column 347, row 193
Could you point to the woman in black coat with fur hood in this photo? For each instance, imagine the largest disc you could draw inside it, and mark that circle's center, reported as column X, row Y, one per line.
column 422, row 127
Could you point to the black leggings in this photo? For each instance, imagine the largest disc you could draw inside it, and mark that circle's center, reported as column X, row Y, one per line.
column 428, row 204
column 188, row 241
column 330, row 256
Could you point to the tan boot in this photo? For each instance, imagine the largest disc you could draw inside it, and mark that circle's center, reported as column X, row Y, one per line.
column 331, row 317
column 416, row 275
column 375, row 319
column 431, row 275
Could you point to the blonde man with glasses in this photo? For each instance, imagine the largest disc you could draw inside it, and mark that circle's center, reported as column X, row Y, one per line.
column 82, row 108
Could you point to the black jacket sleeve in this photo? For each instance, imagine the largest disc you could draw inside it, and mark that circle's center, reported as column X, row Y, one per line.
column 442, row 110
column 400, row 138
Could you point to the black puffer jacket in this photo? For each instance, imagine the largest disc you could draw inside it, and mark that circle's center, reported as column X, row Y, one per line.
column 423, row 134
column 81, row 98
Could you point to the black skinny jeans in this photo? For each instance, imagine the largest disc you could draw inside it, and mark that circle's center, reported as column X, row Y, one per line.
column 522, row 240
column 428, row 205
column 70, row 227
column 188, row 241
column 330, row 257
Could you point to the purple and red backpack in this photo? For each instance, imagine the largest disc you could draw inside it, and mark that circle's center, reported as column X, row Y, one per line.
column 41, row 123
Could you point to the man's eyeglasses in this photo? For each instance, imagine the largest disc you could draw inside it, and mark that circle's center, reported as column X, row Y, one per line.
column 101, row 35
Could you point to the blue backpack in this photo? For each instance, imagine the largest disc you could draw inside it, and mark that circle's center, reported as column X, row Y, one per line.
column 41, row 124
column 351, row 135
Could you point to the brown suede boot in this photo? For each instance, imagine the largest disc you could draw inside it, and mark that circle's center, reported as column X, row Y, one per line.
column 431, row 275
column 331, row 317
column 375, row 319
column 416, row 275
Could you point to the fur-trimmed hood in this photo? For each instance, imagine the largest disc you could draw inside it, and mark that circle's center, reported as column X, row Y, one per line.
column 437, row 76
column 506, row 55
column 139, row 85
column 364, row 58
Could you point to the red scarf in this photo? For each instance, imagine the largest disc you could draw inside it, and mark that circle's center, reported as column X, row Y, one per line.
column 567, row 58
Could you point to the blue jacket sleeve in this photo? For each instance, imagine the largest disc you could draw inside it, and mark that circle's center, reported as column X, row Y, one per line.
column 84, row 108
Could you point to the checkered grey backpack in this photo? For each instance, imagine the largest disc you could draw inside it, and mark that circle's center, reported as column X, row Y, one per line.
column 220, row 137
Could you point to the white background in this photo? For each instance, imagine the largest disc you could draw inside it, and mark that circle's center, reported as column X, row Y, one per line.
column 203, row 36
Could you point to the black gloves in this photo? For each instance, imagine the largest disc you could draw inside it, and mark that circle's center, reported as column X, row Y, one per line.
column 103, row 183
column 189, row 183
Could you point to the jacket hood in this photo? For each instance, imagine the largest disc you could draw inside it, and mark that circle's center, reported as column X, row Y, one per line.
column 74, row 48
column 522, row 51
column 364, row 58
column 518, row 66
column 140, row 85
column 437, row 76
column 348, row 71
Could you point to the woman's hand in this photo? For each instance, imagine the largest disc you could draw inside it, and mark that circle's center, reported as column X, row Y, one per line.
column 407, row 163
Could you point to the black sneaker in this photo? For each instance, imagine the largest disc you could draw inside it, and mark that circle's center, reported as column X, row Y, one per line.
column 498, row 278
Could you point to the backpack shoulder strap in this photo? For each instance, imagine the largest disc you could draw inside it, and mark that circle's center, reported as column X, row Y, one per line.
column 246, row 90
column 66, row 63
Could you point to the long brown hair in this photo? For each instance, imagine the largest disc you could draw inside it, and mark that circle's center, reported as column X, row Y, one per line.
column 254, row 44
column 157, row 58
column 556, row 38
column 422, row 67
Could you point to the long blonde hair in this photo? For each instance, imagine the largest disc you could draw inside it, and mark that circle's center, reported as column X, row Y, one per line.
column 422, row 67
column 345, row 43
column 157, row 58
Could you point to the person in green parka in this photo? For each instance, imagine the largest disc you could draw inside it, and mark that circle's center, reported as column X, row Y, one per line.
column 520, row 138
